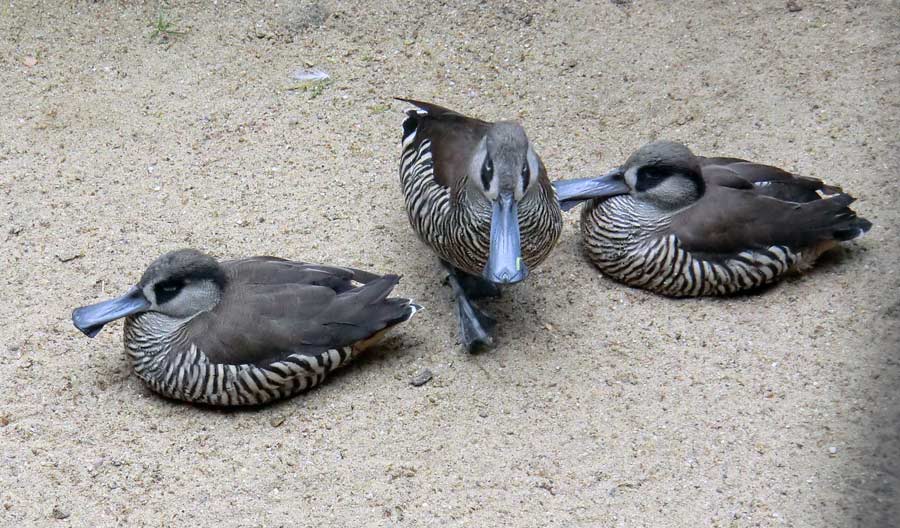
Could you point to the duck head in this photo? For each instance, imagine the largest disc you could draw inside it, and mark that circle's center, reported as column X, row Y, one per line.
column 180, row 284
column 504, row 171
column 663, row 173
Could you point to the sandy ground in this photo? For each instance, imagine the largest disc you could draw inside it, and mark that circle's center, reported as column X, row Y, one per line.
column 601, row 405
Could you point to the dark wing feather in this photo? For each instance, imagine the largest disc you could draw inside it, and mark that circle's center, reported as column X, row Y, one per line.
column 272, row 308
column 719, row 160
column 274, row 270
column 726, row 221
column 768, row 180
column 453, row 136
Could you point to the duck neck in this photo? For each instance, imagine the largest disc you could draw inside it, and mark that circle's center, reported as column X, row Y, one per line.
column 150, row 336
column 638, row 219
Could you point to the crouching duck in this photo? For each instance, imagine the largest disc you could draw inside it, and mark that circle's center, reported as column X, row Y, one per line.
column 478, row 195
column 249, row 331
column 684, row 225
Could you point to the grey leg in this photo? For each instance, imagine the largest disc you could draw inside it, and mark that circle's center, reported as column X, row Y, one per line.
column 476, row 287
column 475, row 326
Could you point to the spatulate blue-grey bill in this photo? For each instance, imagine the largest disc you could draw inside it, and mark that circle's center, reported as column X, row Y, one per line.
column 505, row 264
column 570, row 193
column 90, row 319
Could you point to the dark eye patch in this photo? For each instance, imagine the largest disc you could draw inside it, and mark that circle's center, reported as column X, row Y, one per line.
column 487, row 173
column 651, row 176
column 526, row 176
column 167, row 290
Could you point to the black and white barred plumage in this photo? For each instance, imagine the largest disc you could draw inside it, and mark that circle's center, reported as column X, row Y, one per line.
column 458, row 228
column 176, row 368
column 626, row 246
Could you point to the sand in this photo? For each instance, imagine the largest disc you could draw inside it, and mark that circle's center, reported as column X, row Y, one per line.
column 601, row 405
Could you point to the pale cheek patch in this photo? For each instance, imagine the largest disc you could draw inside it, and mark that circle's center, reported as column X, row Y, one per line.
column 631, row 177
column 533, row 172
column 149, row 294
column 673, row 190
column 493, row 188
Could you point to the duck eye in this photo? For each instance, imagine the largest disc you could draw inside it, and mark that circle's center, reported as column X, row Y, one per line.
column 487, row 173
column 526, row 175
column 649, row 177
column 653, row 173
column 168, row 289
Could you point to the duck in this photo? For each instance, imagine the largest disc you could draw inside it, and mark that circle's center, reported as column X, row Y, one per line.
column 477, row 194
column 683, row 225
column 247, row 331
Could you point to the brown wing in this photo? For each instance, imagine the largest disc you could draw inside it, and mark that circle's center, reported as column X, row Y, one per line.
column 726, row 221
column 453, row 137
column 274, row 270
column 272, row 308
column 768, row 180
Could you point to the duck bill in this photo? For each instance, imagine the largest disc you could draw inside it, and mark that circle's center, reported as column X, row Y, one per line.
column 90, row 319
column 505, row 264
column 572, row 192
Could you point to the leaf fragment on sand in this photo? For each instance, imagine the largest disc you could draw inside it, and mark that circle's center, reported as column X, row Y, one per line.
column 313, row 81
column 311, row 76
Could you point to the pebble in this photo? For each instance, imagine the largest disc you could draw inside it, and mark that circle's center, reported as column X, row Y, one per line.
column 423, row 377
column 793, row 6
column 832, row 450
column 59, row 514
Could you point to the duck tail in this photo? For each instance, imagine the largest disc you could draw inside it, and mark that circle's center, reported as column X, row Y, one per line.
column 834, row 219
column 380, row 312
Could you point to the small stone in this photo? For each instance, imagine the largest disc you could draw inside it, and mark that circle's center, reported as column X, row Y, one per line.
column 483, row 414
column 832, row 450
column 793, row 6
column 423, row 377
column 277, row 421
column 262, row 30
column 59, row 514
column 4, row 421
column 29, row 61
